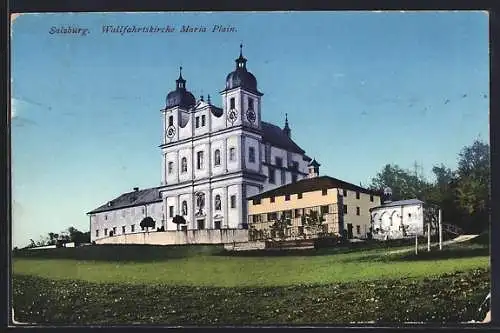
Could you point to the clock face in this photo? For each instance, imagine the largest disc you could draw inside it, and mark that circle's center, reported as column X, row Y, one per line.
column 251, row 116
column 233, row 114
column 170, row 131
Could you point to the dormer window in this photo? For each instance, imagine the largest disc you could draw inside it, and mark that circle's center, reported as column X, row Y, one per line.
column 232, row 103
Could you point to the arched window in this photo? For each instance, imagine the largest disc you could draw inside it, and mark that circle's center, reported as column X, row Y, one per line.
column 218, row 202
column 184, row 208
column 184, row 165
column 217, row 157
column 170, row 167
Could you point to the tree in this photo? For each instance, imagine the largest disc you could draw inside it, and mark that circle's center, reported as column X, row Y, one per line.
column 280, row 225
column 147, row 223
column 53, row 238
column 178, row 219
column 312, row 222
column 404, row 184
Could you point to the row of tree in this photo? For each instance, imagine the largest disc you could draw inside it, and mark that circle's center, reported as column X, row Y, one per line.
column 463, row 194
column 69, row 235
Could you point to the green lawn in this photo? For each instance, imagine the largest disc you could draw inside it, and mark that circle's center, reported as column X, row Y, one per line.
column 205, row 285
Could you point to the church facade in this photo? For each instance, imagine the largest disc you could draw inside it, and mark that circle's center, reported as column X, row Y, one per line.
column 213, row 159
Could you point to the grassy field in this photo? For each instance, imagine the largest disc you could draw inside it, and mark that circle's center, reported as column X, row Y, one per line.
column 204, row 285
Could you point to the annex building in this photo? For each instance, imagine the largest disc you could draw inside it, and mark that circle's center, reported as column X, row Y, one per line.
column 213, row 159
column 340, row 207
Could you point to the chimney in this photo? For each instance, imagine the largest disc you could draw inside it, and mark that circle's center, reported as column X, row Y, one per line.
column 136, row 189
column 313, row 169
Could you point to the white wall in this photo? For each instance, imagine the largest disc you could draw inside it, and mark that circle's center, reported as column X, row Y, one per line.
column 411, row 216
column 125, row 217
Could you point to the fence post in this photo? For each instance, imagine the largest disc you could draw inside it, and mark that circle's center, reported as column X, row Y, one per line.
column 440, row 231
column 428, row 237
column 416, row 243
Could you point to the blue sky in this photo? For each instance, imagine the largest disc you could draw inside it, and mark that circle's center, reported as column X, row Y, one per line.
column 361, row 89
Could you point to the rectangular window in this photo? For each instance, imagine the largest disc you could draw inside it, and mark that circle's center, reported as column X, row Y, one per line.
column 358, row 229
column 132, row 228
column 357, row 211
column 272, row 216
column 105, row 231
column 217, row 224
column 279, row 162
column 255, row 218
column 371, row 197
column 324, row 209
column 143, row 210
column 345, row 209
column 123, row 229
column 251, row 154
column 250, row 103
column 357, row 194
column 170, row 167
column 272, row 175
column 199, row 161
column 233, row 201
column 170, row 211
column 271, row 199
column 114, row 231
column 283, row 176
column 203, row 120
column 298, row 213
column 232, row 103
column 324, row 191
column 287, row 197
column 256, row 201
column 171, row 121
column 232, row 154
column 197, row 122
column 106, row 217
column 344, row 193
column 97, row 233
column 299, row 195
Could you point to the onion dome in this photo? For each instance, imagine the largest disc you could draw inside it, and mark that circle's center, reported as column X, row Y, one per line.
column 241, row 77
column 180, row 96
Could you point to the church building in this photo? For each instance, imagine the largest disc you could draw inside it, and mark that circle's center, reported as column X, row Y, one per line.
column 213, row 159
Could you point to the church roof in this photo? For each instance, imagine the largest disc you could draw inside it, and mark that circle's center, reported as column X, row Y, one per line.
column 130, row 199
column 277, row 137
column 311, row 184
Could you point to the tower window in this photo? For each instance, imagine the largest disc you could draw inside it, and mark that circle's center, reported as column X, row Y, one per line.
column 170, row 211
column 171, row 121
column 197, row 120
column 203, row 120
column 199, row 161
column 250, row 103
column 184, row 165
column 232, row 154
column 345, row 209
column 232, row 103
column 233, row 201
column 217, row 157
column 358, row 211
column 170, row 167
column 357, row 194
column 272, row 176
column 251, row 154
